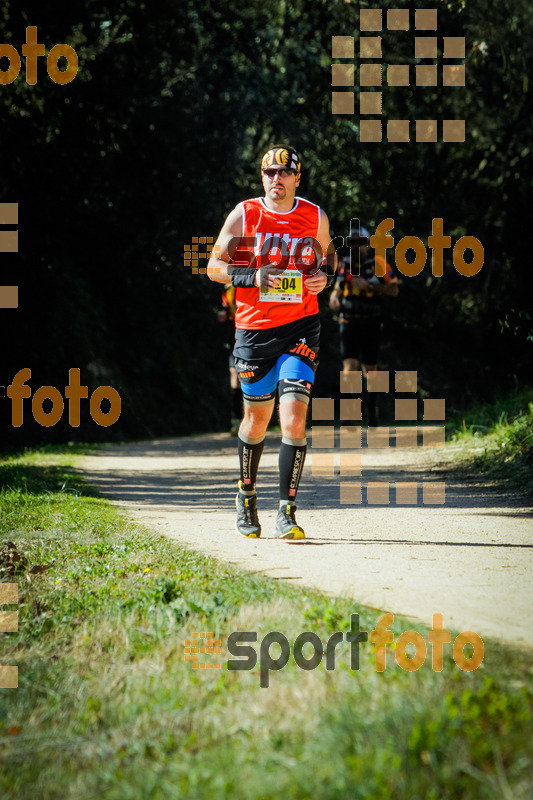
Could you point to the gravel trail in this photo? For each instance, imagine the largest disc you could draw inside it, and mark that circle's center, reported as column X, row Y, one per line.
column 470, row 559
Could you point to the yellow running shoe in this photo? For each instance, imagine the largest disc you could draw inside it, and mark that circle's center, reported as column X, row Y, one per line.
column 247, row 523
column 286, row 525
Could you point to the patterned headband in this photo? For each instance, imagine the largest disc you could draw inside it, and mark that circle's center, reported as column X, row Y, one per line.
column 283, row 157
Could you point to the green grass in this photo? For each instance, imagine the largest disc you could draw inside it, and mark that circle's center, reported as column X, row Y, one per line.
column 496, row 438
column 108, row 708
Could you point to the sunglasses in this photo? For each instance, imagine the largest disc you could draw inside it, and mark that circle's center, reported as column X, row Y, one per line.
column 283, row 173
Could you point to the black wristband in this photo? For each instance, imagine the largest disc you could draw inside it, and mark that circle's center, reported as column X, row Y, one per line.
column 328, row 271
column 243, row 277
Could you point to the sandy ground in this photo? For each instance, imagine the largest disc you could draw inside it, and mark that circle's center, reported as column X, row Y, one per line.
column 469, row 559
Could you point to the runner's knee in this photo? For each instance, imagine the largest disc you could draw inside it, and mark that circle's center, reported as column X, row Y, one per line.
column 255, row 420
column 350, row 365
column 292, row 416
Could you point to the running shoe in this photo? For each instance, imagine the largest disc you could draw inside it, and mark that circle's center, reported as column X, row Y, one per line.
column 286, row 525
column 247, row 523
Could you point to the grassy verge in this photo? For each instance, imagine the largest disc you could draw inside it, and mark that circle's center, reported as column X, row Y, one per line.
column 497, row 438
column 107, row 707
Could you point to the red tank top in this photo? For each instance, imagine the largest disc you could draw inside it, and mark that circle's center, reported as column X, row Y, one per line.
column 284, row 238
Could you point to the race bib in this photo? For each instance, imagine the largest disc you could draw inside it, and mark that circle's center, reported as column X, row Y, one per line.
column 289, row 291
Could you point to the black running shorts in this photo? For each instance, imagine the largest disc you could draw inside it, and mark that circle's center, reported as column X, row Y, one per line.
column 265, row 357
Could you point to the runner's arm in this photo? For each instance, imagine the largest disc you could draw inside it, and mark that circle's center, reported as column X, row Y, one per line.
column 318, row 281
column 228, row 240
column 389, row 283
column 220, row 270
column 335, row 299
column 336, row 293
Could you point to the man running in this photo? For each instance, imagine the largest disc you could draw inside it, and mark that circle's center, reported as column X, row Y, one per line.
column 277, row 251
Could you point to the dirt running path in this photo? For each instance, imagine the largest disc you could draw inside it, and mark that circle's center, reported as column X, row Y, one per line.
column 470, row 559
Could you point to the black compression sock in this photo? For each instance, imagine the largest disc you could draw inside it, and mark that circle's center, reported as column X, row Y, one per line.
column 291, row 463
column 249, row 457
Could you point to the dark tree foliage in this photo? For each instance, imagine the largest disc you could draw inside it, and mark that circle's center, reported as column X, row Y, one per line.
column 160, row 135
